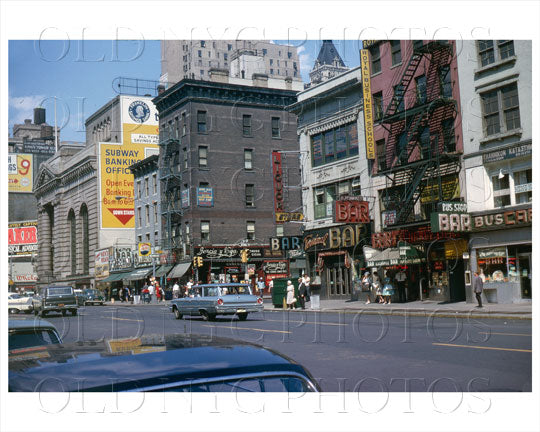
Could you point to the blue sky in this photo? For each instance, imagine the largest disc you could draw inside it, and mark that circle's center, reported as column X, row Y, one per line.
column 80, row 74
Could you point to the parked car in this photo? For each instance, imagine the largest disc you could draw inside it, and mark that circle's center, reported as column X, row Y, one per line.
column 93, row 297
column 178, row 363
column 210, row 300
column 18, row 303
column 56, row 298
column 30, row 333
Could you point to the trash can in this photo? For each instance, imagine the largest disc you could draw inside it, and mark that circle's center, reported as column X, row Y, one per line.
column 315, row 301
column 279, row 291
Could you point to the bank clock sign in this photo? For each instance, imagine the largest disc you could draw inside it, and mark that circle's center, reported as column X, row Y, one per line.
column 139, row 111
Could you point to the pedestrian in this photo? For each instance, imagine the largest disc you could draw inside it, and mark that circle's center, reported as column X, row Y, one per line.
column 189, row 284
column 291, row 300
column 271, row 285
column 388, row 290
column 158, row 291
column 478, row 286
column 307, row 281
column 401, row 279
column 151, row 292
column 377, row 287
column 261, row 286
column 302, row 292
column 176, row 290
column 366, row 285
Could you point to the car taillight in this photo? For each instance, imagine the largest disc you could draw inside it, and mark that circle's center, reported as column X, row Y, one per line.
column 259, row 300
column 220, row 302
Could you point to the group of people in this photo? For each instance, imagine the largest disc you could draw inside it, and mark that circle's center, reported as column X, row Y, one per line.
column 152, row 292
column 383, row 291
column 303, row 293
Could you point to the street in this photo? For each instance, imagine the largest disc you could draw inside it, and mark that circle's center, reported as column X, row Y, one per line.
column 349, row 351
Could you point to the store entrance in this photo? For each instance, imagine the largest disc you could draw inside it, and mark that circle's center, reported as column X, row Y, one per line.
column 457, row 280
column 525, row 275
column 338, row 280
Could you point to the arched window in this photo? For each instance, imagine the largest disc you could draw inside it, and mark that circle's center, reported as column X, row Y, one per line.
column 73, row 241
column 83, row 215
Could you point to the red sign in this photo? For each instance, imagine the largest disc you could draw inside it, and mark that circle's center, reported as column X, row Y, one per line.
column 22, row 235
column 277, row 172
column 349, row 211
column 123, row 215
column 423, row 234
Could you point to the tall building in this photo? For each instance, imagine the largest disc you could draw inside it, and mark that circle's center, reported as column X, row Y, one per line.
column 194, row 59
column 495, row 85
column 218, row 199
column 334, row 172
column 413, row 99
column 328, row 64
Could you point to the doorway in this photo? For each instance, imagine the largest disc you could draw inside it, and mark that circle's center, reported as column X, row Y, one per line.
column 525, row 277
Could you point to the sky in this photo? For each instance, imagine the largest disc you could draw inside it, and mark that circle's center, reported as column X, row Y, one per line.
column 81, row 75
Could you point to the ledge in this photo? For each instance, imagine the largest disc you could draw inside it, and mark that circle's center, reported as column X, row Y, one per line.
column 502, row 135
column 495, row 65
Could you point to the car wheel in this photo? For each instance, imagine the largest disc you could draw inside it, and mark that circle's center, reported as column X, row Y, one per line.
column 205, row 315
column 74, row 312
column 212, row 317
column 242, row 316
column 42, row 314
column 36, row 312
column 28, row 311
column 13, row 310
column 177, row 313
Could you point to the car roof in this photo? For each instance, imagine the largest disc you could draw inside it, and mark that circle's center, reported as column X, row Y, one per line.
column 137, row 363
column 220, row 285
column 23, row 324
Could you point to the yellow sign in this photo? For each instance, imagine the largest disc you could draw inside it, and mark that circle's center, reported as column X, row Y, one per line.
column 287, row 216
column 450, row 190
column 368, row 107
column 453, row 249
column 20, row 172
column 140, row 135
column 145, row 249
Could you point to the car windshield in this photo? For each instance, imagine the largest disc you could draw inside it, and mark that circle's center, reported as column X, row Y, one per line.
column 59, row 290
column 90, row 292
column 15, row 296
column 29, row 338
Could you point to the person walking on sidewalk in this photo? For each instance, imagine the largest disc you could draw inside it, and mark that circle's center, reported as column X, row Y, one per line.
column 478, row 287
column 291, row 300
column 302, row 291
column 401, row 278
column 376, row 284
column 366, row 286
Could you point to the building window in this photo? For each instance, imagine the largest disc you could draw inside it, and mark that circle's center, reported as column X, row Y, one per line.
column 506, row 49
column 201, row 121
column 184, row 124
column 449, row 136
column 271, row 71
column 139, row 190
column 248, row 159
column 275, row 127
column 146, row 188
column 425, row 143
column 523, row 186
column 139, row 239
column 156, row 239
column 203, row 44
column 498, row 120
column 185, row 151
column 356, row 188
column 501, row 189
column 421, row 90
column 335, row 144
column 155, row 213
column 203, row 157
column 375, row 52
column 381, row 155
column 139, row 217
column 399, row 96
column 250, row 230
column 279, row 231
column 445, row 81
column 225, row 57
column 85, row 239
column 147, row 212
column 246, row 125
column 154, row 183
column 250, row 195
column 378, row 105
column 264, row 51
column 395, row 46
column 73, row 241
column 147, row 235
column 199, row 53
column 326, row 195
column 205, row 231
column 229, row 47
column 486, row 52
column 401, row 148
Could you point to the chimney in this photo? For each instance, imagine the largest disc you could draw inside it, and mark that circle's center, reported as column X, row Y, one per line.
column 260, row 80
column 27, row 121
column 219, row 75
column 39, row 116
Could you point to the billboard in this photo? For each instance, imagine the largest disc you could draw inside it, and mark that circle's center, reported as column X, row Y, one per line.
column 20, row 172
column 22, row 238
column 140, row 136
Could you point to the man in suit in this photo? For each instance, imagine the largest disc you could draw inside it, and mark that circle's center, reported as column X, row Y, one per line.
column 478, row 287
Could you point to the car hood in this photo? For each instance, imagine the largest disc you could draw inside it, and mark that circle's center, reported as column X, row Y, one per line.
column 133, row 363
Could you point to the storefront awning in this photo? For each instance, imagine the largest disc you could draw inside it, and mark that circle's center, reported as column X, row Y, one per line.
column 179, row 270
column 115, row 277
column 140, row 273
column 390, row 257
column 163, row 270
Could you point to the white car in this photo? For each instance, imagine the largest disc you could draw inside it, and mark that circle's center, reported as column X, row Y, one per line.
column 18, row 303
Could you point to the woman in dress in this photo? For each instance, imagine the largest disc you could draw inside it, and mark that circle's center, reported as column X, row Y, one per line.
column 388, row 290
column 366, row 286
column 290, row 295
column 377, row 287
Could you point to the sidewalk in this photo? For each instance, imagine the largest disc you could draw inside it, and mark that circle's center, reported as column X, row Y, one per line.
column 420, row 308
column 522, row 311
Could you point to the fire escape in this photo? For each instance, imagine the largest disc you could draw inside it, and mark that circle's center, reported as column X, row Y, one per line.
column 171, row 180
column 420, row 148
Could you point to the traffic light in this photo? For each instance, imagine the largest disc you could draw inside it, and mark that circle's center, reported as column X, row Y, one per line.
column 199, row 261
column 245, row 255
column 194, row 261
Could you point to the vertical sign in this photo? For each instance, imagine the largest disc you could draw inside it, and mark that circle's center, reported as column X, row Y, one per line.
column 277, row 172
column 368, row 109
column 20, row 173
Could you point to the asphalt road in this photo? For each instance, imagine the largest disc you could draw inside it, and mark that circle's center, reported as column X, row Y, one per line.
column 349, row 351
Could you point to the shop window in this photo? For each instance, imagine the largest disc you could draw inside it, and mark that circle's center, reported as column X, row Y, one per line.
column 492, row 264
column 501, row 190
column 523, row 186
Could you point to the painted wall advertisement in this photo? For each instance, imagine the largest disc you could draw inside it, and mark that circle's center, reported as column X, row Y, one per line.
column 20, row 172
column 22, row 238
column 140, row 135
column 101, row 263
column 205, row 197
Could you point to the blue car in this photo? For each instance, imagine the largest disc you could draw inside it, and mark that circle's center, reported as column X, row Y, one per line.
column 177, row 363
column 210, row 300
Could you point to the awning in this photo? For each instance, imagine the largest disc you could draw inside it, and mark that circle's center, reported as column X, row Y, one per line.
column 140, row 273
column 179, row 270
column 114, row 277
column 163, row 270
column 389, row 257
